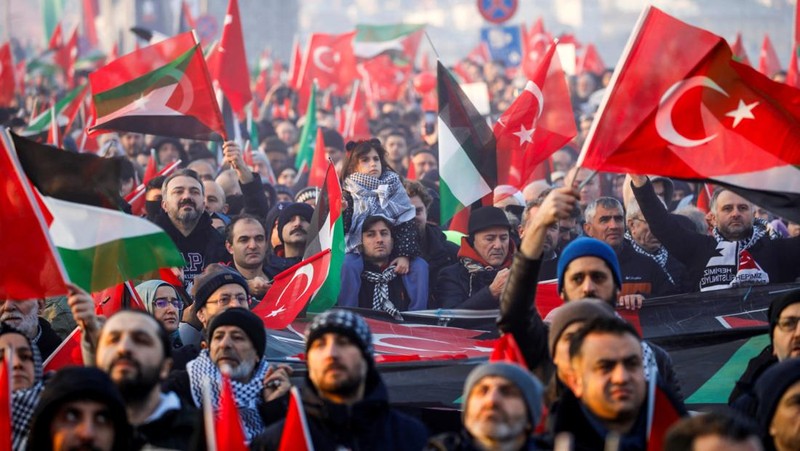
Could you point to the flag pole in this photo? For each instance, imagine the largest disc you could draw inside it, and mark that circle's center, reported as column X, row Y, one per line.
column 431, row 44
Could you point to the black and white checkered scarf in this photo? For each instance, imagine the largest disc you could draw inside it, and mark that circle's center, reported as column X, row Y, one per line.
column 23, row 403
column 380, row 297
column 247, row 394
column 384, row 196
column 660, row 256
column 759, row 230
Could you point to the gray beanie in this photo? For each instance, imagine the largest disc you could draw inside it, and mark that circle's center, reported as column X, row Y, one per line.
column 344, row 322
column 579, row 310
column 527, row 383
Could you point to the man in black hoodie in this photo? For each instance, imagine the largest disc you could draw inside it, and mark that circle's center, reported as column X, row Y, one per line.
column 345, row 400
column 80, row 407
column 187, row 223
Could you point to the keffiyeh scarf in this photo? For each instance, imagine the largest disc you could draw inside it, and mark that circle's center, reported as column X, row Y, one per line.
column 759, row 230
column 380, row 297
column 23, row 403
column 660, row 256
column 384, row 196
column 247, row 394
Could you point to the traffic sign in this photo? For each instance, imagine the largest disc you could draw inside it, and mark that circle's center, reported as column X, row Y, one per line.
column 497, row 11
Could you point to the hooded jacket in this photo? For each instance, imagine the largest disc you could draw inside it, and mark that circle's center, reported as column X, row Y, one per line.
column 459, row 287
column 366, row 425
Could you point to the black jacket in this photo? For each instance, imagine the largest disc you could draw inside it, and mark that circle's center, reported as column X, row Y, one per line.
column 641, row 274
column 275, row 264
column 201, row 248
column 255, row 200
column 369, row 424
column 519, row 317
column 437, row 250
column 48, row 339
column 457, row 288
column 743, row 396
column 175, row 429
column 778, row 258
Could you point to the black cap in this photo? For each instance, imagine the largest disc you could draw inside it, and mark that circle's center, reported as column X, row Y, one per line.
column 486, row 217
column 246, row 320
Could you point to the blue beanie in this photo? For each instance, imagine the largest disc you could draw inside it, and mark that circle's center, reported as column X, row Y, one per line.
column 588, row 247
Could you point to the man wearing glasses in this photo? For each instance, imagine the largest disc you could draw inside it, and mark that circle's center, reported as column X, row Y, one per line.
column 784, row 315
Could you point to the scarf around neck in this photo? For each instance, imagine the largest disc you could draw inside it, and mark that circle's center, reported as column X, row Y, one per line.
column 376, row 196
column 380, row 296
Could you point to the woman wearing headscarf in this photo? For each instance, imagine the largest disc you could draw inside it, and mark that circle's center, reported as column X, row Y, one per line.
column 27, row 381
column 162, row 301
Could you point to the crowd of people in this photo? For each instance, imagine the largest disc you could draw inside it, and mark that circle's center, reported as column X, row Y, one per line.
column 611, row 241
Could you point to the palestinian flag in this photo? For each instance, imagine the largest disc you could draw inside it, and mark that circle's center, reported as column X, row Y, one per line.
column 66, row 109
column 401, row 40
column 305, row 148
column 327, row 232
column 81, row 178
column 163, row 89
column 102, row 248
column 467, row 148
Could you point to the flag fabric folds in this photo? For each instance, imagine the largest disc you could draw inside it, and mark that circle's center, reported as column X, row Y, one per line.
column 292, row 289
column 41, row 273
column 327, row 232
column 768, row 62
column 688, row 110
column 398, row 39
column 539, row 122
column 228, row 64
column 163, row 89
column 7, row 82
column 228, row 425
column 467, row 162
column 305, row 146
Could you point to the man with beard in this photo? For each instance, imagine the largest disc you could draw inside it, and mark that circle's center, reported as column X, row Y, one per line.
column 345, row 400
column 502, row 404
column 433, row 244
column 738, row 253
column 293, row 224
column 188, row 224
column 237, row 344
column 608, row 391
column 24, row 316
column 246, row 241
column 478, row 279
column 641, row 275
column 377, row 285
column 133, row 349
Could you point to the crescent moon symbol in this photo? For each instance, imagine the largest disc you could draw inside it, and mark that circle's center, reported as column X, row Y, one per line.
column 664, row 125
column 533, row 88
column 308, row 271
column 317, row 56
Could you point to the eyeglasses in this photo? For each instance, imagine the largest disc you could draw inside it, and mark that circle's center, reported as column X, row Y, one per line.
column 163, row 302
column 788, row 324
column 225, row 301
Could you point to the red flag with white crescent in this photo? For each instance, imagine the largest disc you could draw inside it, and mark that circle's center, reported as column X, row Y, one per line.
column 292, row 289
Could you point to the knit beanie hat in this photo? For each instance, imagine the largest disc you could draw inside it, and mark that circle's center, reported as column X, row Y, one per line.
column 530, row 387
column 588, row 247
column 579, row 310
column 305, row 211
column 486, row 217
column 770, row 387
column 776, row 307
column 306, row 194
column 344, row 322
column 211, row 279
column 244, row 319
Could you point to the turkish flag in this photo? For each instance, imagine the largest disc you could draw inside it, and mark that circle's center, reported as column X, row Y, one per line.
column 7, row 84
column 356, row 116
column 295, row 64
column 383, row 80
column 292, row 289
column 539, row 122
column 506, row 349
column 591, row 62
column 228, row 64
column 228, row 429
column 534, row 48
column 768, row 63
column 682, row 107
column 331, row 61
column 295, row 435
column 739, row 54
